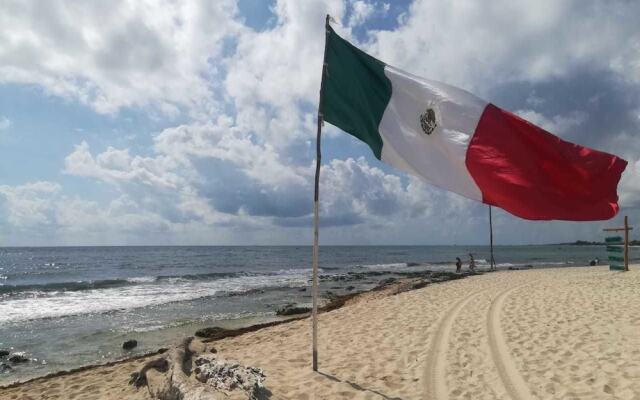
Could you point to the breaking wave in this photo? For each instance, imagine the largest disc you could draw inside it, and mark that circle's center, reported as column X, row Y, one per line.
column 28, row 302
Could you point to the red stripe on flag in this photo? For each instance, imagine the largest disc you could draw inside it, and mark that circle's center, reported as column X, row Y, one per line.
column 535, row 175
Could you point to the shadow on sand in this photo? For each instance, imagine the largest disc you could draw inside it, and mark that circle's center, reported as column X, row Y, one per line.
column 358, row 387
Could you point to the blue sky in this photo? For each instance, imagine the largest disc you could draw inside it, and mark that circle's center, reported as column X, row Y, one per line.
column 156, row 122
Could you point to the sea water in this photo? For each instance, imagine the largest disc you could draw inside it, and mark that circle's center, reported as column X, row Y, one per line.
column 65, row 307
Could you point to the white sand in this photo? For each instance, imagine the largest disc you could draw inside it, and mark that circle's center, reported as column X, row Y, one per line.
column 540, row 334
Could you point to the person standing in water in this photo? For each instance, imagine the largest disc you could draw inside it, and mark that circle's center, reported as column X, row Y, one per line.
column 472, row 263
column 458, row 265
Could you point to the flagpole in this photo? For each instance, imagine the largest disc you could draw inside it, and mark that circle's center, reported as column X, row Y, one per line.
column 492, row 262
column 314, row 289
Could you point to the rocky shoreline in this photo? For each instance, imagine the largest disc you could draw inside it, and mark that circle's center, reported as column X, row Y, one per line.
column 338, row 295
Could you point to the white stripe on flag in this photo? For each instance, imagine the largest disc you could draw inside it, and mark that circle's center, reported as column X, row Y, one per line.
column 439, row 157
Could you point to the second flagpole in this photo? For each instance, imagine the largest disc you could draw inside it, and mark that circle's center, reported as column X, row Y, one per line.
column 316, row 218
column 492, row 261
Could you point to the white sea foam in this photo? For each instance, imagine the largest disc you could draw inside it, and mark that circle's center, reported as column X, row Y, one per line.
column 142, row 279
column 385, row 266
column 46, row 305
column 538, row 263
column 505, row 265
column 297, row 271
column 149, row 328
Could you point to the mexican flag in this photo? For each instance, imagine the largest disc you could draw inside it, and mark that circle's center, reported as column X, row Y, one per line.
column 461, row 143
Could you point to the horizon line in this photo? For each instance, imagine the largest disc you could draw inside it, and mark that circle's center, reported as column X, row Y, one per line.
column 301, row 245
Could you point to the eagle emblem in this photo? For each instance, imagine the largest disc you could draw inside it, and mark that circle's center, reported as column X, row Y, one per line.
column 428, row 121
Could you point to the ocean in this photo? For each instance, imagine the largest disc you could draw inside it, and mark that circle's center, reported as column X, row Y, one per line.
column 65, row 307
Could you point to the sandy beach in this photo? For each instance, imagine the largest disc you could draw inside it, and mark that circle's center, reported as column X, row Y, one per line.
column 566, row 333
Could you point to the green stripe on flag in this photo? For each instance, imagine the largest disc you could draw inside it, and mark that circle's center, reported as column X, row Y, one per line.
column 615, row 249
column 613, row 239
column 356, row 91
column 616, row 267
column 616, row 258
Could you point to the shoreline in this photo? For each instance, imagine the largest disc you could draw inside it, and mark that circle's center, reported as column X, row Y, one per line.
column 410, row 281
column 538, row 333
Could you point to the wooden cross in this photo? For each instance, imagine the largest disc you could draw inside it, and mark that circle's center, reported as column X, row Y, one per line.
column 626, row 228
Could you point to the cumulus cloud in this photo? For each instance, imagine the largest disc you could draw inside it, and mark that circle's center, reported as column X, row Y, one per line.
column 630, row 185
column 118, row 167
column 240, row 162
column 121, row 215
column 30, row 204
column 40, row 213
column 273, row 76
column 154, row 183
column 361, row 11
column 558, row 124
column 217, row 171
column 43, row 204
column 478, row 45
column 120, row 54
column 225, row 142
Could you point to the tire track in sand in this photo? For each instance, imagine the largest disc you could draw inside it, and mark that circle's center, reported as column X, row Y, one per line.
column 514, row 383
column 435, row 382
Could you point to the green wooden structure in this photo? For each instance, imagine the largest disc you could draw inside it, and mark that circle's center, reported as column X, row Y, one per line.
column 617, row 245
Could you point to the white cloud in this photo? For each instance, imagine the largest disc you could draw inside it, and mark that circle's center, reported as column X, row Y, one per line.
column 120, row 54
column 30, row 204
column 155, row 184
column 39, row 213
column 121, row 215
column 273, row 76
column 118, row 167
column 477, row 45
column 361, row 11
column 241, row 161
column 558, row 124
column 630, row 185
column 4, row 123
column 226, row 142
column 353, row 187
column 353, row 193
column 184, row 177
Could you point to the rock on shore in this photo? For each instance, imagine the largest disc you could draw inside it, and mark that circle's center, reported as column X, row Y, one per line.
column 292, row 309
column 229, row 375
column 130, row 344
column 18, row 358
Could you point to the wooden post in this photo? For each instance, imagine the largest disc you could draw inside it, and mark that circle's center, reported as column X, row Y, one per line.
column 492, row 261
column 316, row 196
column 626, row 243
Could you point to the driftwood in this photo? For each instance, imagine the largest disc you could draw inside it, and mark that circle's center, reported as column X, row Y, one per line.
column 173, row 376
